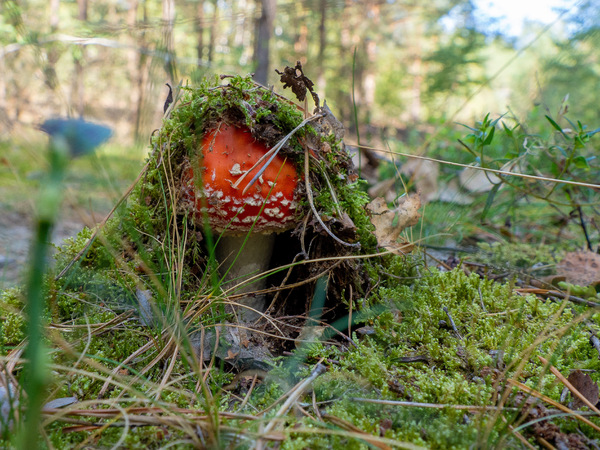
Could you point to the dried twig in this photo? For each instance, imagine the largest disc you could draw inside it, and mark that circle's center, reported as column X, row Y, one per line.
column 595, row 342
column 518, row 435
column 431, row 405
column 485, row 169
column 549, row 293
column 452, row 323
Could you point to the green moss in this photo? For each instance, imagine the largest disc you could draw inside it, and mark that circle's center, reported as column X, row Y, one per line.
column 12, row 320
column 491, row 320
column 405, row 317
column 489, row 317
column 517, row 255
column 353, row 200
column 149, row 437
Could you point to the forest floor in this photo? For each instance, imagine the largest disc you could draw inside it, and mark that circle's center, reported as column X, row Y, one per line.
column 441, row 354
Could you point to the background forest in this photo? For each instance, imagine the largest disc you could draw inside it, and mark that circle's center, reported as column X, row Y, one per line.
column 407, row 66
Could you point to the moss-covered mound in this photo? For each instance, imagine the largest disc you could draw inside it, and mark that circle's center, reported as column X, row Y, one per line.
column 331, row 221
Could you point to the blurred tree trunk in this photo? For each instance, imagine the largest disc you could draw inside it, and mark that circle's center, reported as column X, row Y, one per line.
column 52, row 54
column 163, row 61
column 78, row 88
column 230, row 31
column 322, row 44
column 350, row 66
column 264, row 30
column 240, row 25
column 245, row 31
column 16, row 95
column 300, row 35
column 83, row 9
column 213, row 32
column 168, row 18
column 340, row 100
column 415, row 71
column 54, row 17
column 4, row 117
column 370, row 51
column 136, row 65
column 200, row 29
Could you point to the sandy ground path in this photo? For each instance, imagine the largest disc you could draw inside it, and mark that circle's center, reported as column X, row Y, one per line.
column 15, row 240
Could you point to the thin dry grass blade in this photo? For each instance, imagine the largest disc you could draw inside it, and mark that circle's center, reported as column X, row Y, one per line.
column 518, row 435
column 102, row 224
column 485, row 169
column 316, row 214
column 566, row 382
column 432, row 405
column 557, row 405
column 293, row 397
column 271, row 155
column 345, row 425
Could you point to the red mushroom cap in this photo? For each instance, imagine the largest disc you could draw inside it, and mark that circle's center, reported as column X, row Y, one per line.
column 228, row 152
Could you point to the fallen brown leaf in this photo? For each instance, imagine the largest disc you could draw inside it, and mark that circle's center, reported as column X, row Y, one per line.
column 390, row 223
column 581, row 268
column 586, row 387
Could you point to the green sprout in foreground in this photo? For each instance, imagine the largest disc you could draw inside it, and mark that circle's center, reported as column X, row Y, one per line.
column 69, row 138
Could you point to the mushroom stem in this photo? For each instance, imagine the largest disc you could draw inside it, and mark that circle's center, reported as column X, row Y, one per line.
column 241, row 261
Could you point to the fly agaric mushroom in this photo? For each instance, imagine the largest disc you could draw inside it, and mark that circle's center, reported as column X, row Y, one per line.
column 264, row 208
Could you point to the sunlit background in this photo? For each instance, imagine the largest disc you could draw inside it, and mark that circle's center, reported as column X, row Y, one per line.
column 512, row 16
column 403, row 65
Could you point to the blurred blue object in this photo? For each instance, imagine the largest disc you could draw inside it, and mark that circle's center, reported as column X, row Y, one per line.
column 82, row 137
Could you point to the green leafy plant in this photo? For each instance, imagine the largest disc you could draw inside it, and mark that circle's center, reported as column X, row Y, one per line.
column 556, row 166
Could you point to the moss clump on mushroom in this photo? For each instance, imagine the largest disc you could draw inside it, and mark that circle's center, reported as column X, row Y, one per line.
column 268, row 116
column 338, row 197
